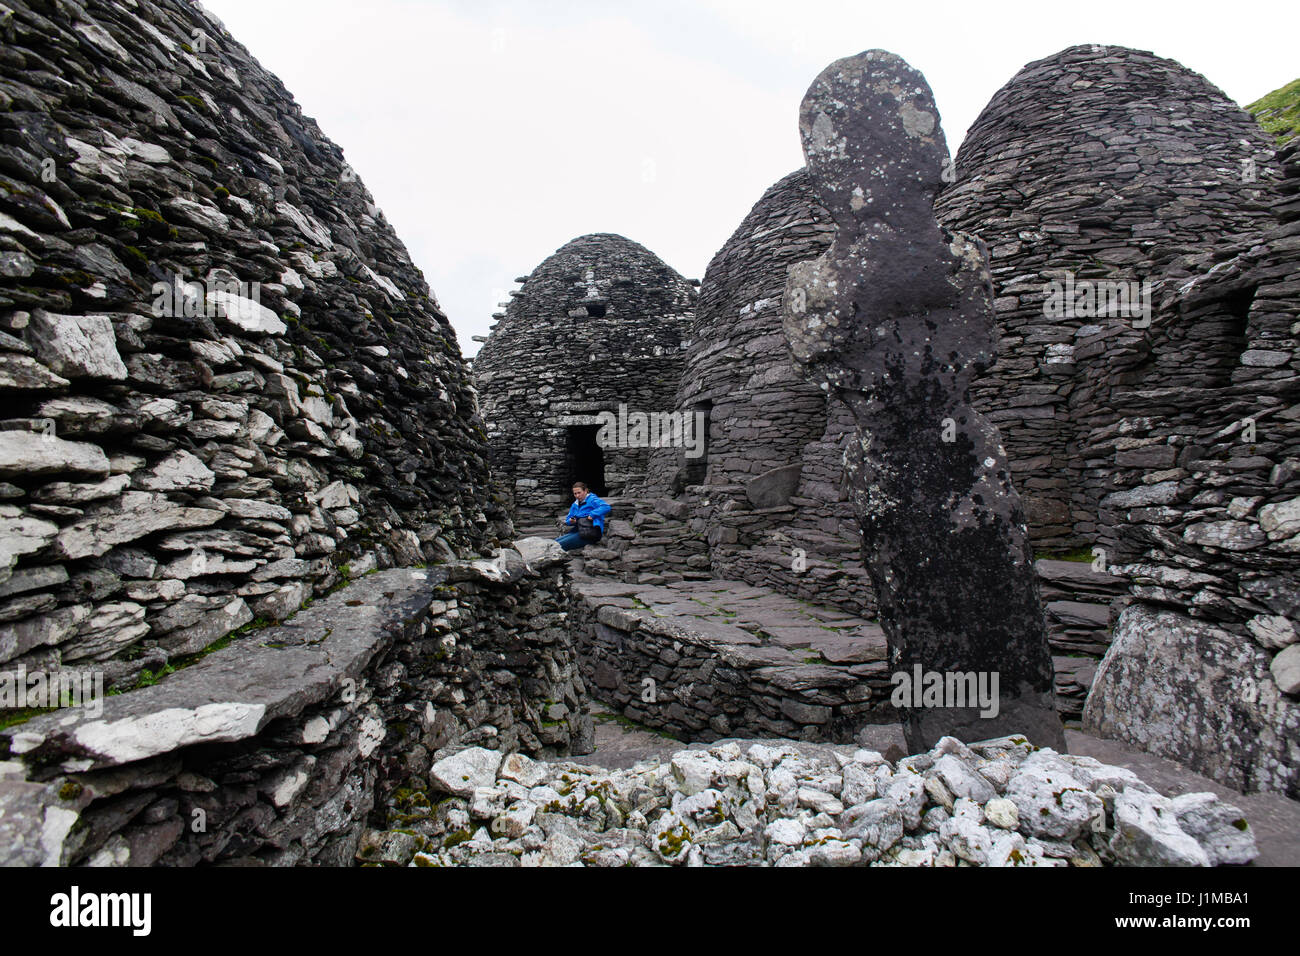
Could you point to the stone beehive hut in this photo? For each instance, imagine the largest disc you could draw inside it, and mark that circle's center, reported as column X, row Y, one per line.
column 769, row 478
column 1091, row 166
column 1205, row 665
column 597, row 325
column 227, row 390
column 225, row 385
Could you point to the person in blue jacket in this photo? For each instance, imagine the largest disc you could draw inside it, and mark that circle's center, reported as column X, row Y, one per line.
column 586, row 505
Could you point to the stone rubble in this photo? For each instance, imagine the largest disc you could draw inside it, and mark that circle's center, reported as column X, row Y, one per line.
column 780, row 803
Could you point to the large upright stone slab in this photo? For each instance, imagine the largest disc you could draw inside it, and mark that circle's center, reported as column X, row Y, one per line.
column 894, row 319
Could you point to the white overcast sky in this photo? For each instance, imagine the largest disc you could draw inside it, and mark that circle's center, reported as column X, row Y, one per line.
column 491, row 132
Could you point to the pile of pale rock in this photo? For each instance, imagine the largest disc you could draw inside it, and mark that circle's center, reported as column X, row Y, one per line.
column 781, row 803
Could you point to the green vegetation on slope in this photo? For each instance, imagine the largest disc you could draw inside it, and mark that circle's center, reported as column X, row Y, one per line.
column 1279, row 111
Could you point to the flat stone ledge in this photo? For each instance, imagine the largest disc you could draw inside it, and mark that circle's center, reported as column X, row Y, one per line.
column 233, row 693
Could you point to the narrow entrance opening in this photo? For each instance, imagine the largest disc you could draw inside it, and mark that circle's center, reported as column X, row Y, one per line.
column 693, row 461
column 584, row 459
column 1237, row 309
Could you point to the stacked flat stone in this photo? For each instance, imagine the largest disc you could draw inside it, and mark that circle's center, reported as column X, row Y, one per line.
column 705, row 660
column 771, row 506
column 275, row 752
column 779, row 803
column 1109, row 164
column 1205, row 664
column 166, row 477
column 599, row 324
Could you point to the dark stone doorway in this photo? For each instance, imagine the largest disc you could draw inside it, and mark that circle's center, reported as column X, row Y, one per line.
column 584, row 459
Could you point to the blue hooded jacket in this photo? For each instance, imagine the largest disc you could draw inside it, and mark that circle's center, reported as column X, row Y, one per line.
column 592, row 507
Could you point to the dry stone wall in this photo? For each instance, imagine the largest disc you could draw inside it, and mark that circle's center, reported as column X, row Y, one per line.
column 276, row 749
column 1205, row 665
column 225, row 385
column 701, row 679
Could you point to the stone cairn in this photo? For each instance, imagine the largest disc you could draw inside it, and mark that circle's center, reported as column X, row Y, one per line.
column 896, row 317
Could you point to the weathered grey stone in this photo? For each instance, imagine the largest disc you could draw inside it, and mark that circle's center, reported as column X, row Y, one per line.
column 140, row 513
column 23, row 371
column 463, row 772
column 1219, row 828
column 955, row 584
column 773, row 488
column 1197, row 694
column 107, row 630
column 232, row 614
column 31, row 454
column 1147, row 833
column 179, row 471
column 1285, row 670
column 77, row 346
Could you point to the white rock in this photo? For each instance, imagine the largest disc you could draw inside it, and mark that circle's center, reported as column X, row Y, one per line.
column 310, row 228
column 907, row 791
column 961, row 780
column 160, row 732
column 462, row 772
column 245, row 313
column 1285, row 670
column 147, row 152
column 785, row 831
column 1050, row 801
column 179, row 471
column 878, row 824
column 522, row 770
column 1147, row 833
column 834, row 853
column 487, row 803
column 859, row 784
column 1002, row 813
column 199, row 214
column 968, row 839
column 819, row 801
column 28, row 453
column 514, row 822
column 694, row 770
column 21, row 534
column 1220, row 828
column 77, row 346
column 1280, row 520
